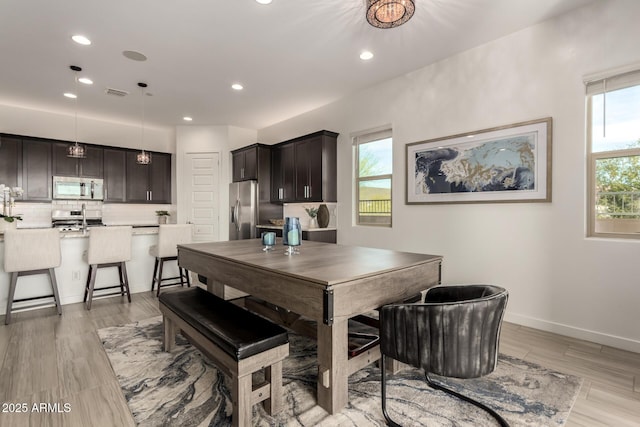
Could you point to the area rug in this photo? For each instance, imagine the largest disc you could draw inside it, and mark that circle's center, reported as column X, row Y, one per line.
column 183, row 388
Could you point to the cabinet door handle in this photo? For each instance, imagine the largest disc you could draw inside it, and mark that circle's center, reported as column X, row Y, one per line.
column 241, row 172
column 150, row 195
column 280, row 193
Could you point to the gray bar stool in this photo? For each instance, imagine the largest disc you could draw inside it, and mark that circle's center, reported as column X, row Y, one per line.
column 108, row 247
column 29, row 252
column 169, row 237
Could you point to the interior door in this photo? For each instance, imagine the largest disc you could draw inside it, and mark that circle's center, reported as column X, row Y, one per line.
column 203, row 198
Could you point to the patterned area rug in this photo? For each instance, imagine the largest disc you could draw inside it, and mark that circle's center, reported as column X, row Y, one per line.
column 183, row 388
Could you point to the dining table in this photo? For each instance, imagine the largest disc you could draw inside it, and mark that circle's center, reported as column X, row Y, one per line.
column 324, row 282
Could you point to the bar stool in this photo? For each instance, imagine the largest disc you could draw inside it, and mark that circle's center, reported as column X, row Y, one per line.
column 28, row 252
column 108, row 247
column 169, row 237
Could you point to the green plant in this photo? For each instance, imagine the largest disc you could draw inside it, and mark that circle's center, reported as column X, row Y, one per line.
column 8, row 218
column 163, row 213
column 312, row 212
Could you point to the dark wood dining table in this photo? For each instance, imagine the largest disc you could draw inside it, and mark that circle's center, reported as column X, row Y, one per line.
column 325, row 282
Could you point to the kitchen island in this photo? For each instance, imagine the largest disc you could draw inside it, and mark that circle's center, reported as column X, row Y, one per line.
column 72, row 273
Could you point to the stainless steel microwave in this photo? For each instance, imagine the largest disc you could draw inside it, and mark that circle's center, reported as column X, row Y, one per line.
column 73, row 188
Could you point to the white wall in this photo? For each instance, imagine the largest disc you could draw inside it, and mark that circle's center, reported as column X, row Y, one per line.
column 558, row 280
column 215, row 139
column 45, row 124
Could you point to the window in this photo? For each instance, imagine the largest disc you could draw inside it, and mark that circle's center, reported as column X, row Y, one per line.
column 613, row 132
column 374, row 159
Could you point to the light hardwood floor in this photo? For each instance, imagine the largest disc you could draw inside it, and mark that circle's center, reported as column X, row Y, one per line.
column 59, row 360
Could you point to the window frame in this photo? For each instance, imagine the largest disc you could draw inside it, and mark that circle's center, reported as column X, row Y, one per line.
column 358, row 140
column 603, row 83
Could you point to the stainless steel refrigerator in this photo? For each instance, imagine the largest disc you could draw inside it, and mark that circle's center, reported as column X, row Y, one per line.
column 243, row 210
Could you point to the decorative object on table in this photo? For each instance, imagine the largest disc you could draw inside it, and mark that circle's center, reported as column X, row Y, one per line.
column 291, row 235
column 323, row 216
column 162, row 216
column 268, row 240
column 277, row 222
column 503, row 164
column 389, row 13
column 8, row 198
column 313, row 213
column 156, row 389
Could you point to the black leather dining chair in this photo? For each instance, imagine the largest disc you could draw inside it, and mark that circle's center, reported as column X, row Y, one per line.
column 453, row 333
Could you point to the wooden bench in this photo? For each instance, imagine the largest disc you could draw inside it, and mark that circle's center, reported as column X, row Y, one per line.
column 237, row 341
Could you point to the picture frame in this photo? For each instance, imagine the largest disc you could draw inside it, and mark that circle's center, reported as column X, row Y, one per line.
column 507, row 164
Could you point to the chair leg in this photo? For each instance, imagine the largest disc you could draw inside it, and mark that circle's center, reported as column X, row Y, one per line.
column 12, row 292
column 160, row 276
column 383, row 387
column 121, row 279
column 480, row 405
column 155, row 271
column 54, row 285
column 86, row 286
column 93, row 268
column 125, row 279
column 180, row 275
column 186, row 273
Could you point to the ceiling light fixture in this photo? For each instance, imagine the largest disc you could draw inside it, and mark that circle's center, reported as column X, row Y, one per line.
column 143, row 157
column 80, row 39
column 264, row 1
column 70, row 95
column 187, row 119
column 76, row 150
column 85, row 80
column 237, row 86
column 366, row 55
column 389, row 13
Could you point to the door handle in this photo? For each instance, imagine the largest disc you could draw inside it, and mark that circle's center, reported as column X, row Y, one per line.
column 238, row 215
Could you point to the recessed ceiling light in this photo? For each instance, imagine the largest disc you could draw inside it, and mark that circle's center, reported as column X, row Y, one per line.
column 187, row 119
column 70, row 95
column 366, row 55
column 80, row 39
column 85, row 80
column 237, row 86
column 264, row 1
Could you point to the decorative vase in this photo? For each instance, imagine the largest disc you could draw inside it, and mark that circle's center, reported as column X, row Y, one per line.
column 323, row 216
column 5, row 225
column 162, row 219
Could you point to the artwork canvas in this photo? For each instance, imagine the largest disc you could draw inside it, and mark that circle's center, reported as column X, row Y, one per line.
column 504, row 164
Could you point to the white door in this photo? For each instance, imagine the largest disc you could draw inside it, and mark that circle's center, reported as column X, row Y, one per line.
column 202, row 190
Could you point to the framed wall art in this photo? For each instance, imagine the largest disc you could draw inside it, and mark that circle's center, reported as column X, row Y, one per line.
column 504, row 164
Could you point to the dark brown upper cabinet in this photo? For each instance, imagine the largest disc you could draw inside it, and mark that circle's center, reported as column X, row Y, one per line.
column 244, row 164
column 115, row 174
column 89, row 167
column 11, row 161
column 36, row 170
column 148, row 183
column 304, row 169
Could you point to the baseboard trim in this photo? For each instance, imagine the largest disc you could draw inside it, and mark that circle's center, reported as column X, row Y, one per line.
column 573, row 332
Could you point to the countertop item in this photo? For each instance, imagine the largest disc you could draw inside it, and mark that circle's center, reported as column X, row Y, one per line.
column 275, row 227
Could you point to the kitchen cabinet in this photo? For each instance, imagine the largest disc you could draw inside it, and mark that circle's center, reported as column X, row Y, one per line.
column 148, row 183
column 36, row 170
column 245, row 163
column 304, row 169
column 11, row 161
column 283, row 173
column 89, row 167
column 114, row 175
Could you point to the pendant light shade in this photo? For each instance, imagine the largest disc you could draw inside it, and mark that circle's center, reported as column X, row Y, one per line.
column 76, row 150
column 389, row 13
column 143, row 157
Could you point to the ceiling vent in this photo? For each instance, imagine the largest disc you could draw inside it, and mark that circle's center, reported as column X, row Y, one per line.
column 116, row 92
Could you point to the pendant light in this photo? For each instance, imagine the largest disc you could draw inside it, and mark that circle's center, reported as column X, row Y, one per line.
column 389, row 13
column 76, row 150
column 143, row 157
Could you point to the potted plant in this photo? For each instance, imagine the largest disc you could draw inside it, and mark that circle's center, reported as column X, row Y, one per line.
column 7, row 197
column 313, row 213
column 162, row 216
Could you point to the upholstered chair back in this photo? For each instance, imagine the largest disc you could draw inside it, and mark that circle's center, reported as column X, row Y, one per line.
column 109, row 244
column 454, row 333
column 27, row 250
column 170, row 236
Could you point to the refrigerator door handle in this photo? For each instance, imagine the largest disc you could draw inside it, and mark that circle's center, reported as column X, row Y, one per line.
column 238, row 215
